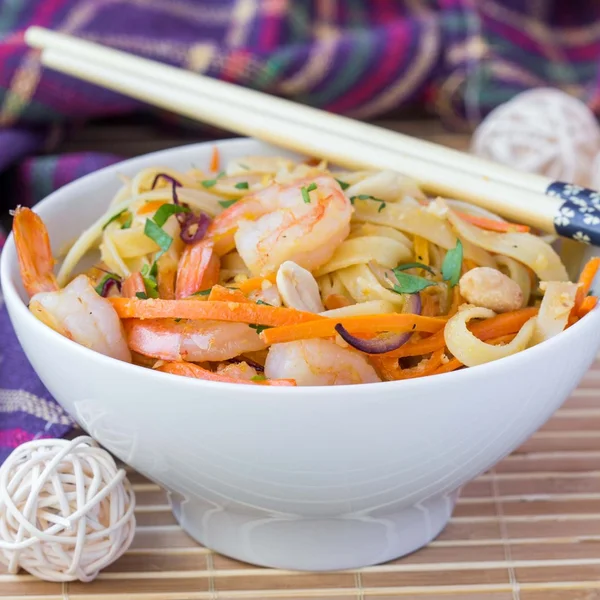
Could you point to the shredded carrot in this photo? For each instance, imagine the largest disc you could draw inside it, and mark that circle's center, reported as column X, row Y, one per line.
column 429, row 305
column 492, row 225
column 134, row 284
column 253, row 284
column 187, row 369
column 151, row 206
column 312, row 162
column 456, row 301
column 240, row 312
column 421, row 246
column 218, row 293
column 334, row 301
column 215, row 159
column 362, row 324
column 390, row 369
column 585, row 283
column 587, row 305
column 503, row 324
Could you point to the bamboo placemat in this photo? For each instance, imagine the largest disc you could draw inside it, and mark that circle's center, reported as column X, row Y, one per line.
column 529, row 530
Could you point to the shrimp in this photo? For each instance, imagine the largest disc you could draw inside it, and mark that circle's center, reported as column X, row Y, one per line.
column 318, row 362
column 303, row 222
column 77, row 311
column 198, row 269
column 193, row 341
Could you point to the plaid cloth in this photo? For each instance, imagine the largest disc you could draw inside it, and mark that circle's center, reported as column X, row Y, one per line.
column 362, row 58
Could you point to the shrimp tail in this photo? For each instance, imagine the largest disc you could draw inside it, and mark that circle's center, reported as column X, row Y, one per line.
column 34, row 253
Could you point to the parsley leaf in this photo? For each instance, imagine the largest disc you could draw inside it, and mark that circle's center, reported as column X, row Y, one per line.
column 452, row 264
column 202, row 292
column 381, row 206
column 208, row 183
column 108, row 276
column 141, row 296
column 259, row 328
column 228, row 203
column 149, row 276
column 382, row 203
column 159, row 236
column 128, row 222
column 415, row 265
column 259, row 378
column 165, row 211
column 244, row 166
column 410, row 284
column 242, row 185
column 263, row 303
column 343, row 184
column 113, row 218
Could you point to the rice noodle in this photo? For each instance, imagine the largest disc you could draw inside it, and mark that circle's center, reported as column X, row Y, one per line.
column 559, row 299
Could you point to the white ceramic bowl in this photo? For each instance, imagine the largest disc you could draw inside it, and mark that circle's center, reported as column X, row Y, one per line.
column 303, row 478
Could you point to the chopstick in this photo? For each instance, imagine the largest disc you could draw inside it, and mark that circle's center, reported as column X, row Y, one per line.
column 521, row 197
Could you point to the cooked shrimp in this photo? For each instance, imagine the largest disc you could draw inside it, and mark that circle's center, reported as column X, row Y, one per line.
column 34, row 252
column 76, row 311
column 279, row 224
column 318, row 362
column 193, row 341
column 198, row 269
column 79, row 313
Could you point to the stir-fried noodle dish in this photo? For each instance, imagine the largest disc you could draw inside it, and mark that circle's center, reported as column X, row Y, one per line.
column 274, row 272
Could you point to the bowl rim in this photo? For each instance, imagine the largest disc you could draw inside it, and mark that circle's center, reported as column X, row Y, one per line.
column 8, row 262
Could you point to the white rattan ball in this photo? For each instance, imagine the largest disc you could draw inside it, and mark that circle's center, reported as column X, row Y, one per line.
column 544, row 131
column 66, row 510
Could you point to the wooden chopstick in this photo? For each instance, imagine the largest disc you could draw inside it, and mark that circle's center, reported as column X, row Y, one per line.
column 517, row 196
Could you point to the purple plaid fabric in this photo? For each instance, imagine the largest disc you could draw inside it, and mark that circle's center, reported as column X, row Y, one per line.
column 461, row 58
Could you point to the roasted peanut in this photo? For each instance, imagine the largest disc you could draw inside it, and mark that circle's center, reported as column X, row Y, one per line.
column 491, row 289
column 298, row 288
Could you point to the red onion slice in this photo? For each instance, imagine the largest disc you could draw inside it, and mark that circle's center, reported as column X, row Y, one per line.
column 170, row 179
column 108, row 284
column 193, row 227
column 382, row 344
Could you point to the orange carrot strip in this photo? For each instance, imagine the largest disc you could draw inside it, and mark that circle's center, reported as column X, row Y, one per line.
column 334, row 301
column 254, row 283
column 215, row 159
column 492, row 225
column 585, row 283
column 325, row 327
column 191, row 370
column 587, row 305
column 133, row 285
column 240, row 312
column 151, row 206
column 218, row 293
column 456, row 301
column 391, row 370
column 499, row 325
column 430, row 305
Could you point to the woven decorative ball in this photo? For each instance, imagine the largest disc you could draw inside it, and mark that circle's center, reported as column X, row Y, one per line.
column 66, row 510
column 544, row 131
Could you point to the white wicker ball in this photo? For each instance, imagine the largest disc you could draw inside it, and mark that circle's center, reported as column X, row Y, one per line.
column 544, row 131
column 66, row 510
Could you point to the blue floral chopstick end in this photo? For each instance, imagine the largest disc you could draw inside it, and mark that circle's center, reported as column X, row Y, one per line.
column 579, row 215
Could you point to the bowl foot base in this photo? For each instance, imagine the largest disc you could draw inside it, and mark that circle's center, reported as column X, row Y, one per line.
column 313, row 544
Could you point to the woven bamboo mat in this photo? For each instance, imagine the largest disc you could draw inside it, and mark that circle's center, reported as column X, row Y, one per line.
column 529, row 529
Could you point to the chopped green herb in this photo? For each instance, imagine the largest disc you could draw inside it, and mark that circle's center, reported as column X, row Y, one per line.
column 264, row 303
column 159, row 236
column 452, row 265
column 415, row 265
column 242, row 185
column 141, row 296
column 382, row 203
column 177, row 320
column 165, row 211
column 108, row 276
column 228, row 203
column 128, row 222
column 259, row 328
column 113, row 218
column 343, row 184
column 202, row 292
column 259, row 378
column 306, row 190
column 149, row 276
column 244, row 166
column 208, row 183
column 410, row 284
